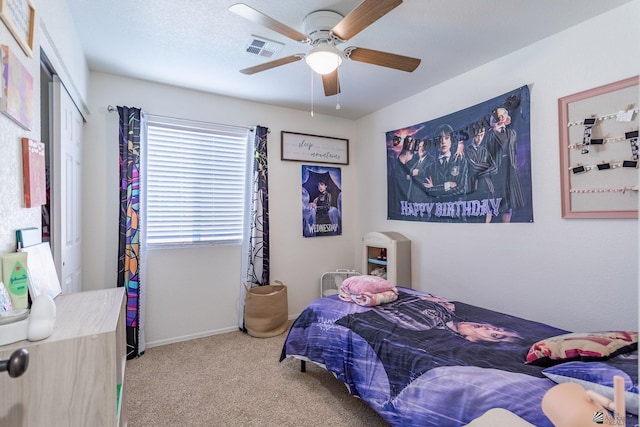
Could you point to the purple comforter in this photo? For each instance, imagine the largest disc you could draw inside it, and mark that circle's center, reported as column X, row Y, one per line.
column 427, row 374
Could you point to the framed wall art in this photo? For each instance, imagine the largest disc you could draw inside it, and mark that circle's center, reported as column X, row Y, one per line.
column 34, row 169
column 16, row 96
column 19, row 17
column 599, row 151
column 302, row 147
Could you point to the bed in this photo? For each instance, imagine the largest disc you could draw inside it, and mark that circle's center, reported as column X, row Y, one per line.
column 414, row 363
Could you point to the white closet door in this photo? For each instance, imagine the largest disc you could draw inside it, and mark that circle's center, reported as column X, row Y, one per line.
column 66, row 187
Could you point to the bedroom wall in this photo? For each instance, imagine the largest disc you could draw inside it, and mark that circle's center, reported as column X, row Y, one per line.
column 58, row 39
column 202, row 299
column 543, row 277
column 13, row 213
column 574, row 274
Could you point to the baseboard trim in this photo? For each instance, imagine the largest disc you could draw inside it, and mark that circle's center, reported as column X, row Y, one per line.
column 182, row 338
column 190, row 337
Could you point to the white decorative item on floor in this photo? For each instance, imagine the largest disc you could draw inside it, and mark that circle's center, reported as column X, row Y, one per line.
column 331, row 281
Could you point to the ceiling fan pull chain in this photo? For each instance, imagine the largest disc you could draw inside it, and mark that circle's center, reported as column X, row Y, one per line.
column 338, row 106
column 311, row 80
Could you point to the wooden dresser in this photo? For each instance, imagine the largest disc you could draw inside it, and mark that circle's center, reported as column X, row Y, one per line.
column 76, row 376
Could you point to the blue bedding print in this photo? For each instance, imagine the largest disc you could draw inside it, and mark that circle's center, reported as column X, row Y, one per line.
column 425, row 361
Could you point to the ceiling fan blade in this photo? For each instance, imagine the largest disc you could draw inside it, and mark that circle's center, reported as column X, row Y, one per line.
column 365, row 14
column 272, row 64
column 258, row 17
column 384, row 59
column 331, row 83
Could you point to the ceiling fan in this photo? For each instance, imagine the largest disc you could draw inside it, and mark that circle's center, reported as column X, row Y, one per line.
column 324, row 30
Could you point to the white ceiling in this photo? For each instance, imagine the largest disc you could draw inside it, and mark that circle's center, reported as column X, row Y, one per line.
column 200, row 44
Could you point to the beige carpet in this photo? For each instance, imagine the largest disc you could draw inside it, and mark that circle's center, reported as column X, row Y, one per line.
column 233, row 379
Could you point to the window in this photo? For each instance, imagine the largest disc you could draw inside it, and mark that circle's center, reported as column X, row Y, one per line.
column 195, row 182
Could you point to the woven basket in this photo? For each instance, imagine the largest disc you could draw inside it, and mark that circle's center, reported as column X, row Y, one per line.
column 266, row 310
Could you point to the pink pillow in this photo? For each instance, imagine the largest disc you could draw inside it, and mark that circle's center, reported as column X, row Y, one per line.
column 365, row 283
column 586, row 346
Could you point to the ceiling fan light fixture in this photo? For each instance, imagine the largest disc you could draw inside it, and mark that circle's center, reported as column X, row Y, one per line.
column 324, row 58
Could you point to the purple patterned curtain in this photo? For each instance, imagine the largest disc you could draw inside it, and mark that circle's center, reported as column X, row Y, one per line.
column 255, row 244
column 129, row 237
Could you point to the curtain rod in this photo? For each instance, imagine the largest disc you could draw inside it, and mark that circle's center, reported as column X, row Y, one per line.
column 112, row 109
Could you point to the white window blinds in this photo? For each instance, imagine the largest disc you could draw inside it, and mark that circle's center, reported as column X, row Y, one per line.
column 195, row 182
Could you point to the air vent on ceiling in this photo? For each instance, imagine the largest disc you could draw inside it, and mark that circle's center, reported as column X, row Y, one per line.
column 263, row 47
